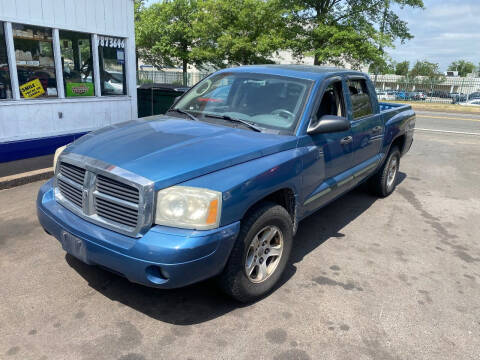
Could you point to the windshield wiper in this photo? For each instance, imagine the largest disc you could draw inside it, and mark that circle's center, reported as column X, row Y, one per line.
column 229, row 118
column 180, row 111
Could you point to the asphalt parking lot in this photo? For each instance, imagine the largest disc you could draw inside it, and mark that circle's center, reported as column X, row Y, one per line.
column 397, row 278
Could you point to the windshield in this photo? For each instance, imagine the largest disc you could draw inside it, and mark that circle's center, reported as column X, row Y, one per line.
column 267, row 101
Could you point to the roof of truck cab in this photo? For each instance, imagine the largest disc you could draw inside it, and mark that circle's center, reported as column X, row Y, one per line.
column 310, row 72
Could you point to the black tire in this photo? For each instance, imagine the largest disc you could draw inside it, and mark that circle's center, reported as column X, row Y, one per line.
column 378, row 183
column 234, row 280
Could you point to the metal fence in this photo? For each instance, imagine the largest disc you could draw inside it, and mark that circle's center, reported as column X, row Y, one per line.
column 170, row 77
column 442, row 89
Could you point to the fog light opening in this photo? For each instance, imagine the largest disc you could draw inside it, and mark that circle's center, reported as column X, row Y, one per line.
column 156, row 274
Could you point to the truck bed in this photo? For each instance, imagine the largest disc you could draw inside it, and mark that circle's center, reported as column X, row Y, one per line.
column 395, row 113
column 384, row 107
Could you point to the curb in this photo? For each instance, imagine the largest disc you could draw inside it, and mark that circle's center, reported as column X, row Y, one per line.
column 11, row 181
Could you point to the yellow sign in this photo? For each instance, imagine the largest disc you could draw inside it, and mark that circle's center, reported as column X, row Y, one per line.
column 32, row 89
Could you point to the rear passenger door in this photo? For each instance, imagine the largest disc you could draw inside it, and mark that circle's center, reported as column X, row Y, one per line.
column 367, row 124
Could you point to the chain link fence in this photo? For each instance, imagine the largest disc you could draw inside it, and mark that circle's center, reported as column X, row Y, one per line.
column 157, row 90
column 169, row 77
column 439, row 89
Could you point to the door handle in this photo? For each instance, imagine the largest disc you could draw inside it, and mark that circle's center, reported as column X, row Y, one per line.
column 377, row 129
column 346, row 140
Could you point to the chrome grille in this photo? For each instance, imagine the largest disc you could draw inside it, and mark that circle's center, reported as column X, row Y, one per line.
column 117, row 189
column 70, row 183
column 70, row 192
column 72, row 172
column 116, row 201
column 104, row 194
column 116, row 212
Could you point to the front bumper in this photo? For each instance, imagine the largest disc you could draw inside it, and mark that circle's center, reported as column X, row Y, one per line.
column 164, row 257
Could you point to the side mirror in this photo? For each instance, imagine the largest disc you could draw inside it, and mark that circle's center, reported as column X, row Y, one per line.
column 328, row 124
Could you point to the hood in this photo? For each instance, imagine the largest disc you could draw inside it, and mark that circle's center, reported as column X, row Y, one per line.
column 169, row 150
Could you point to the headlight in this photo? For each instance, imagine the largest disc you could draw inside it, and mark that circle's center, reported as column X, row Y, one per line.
column 188, row 207
column 55, row 157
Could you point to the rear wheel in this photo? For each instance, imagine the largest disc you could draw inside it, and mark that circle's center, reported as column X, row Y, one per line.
column 260, row 253
column 383, row 183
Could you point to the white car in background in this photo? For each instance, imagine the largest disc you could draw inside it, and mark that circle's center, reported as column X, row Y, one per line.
column 473, row 102
column 386, row 95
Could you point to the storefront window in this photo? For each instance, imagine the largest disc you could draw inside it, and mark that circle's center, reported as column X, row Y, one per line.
column 76, row 49
column 5, row 86
column 111, row 54
column 35, row 63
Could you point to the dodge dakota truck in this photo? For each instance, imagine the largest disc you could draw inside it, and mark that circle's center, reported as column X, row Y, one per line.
column 218, row 185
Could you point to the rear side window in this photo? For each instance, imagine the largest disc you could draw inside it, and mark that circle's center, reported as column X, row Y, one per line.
column 361, row 102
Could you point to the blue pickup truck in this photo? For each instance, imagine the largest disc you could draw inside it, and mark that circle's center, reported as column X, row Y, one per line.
column 218, row 185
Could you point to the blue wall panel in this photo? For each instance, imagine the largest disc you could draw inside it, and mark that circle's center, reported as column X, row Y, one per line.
column 24, row 149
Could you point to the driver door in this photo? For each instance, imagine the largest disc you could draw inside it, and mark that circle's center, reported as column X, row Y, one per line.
column 328, row 173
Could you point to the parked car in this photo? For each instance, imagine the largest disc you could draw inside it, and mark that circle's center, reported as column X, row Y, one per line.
column 439, row 94
column 402, row 95
column 422, row 95
column 457, row 97
column 218, row 188
column 417, row 95
column 473, row 102
column 474, row 95
column 385, row 95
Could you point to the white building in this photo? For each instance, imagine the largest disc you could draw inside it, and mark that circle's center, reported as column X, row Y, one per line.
column 66, row 67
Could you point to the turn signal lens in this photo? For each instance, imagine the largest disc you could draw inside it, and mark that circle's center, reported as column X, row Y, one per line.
column 212, row 212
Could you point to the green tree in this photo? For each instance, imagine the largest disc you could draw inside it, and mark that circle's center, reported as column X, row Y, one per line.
column 401, row 68
column 242, row 32
column 463, row 67
column 138, row 7
column 382, row 68
column 430, row 71
column 345, row 31
column 209, row 32
column 424, row 68
column 167, row 33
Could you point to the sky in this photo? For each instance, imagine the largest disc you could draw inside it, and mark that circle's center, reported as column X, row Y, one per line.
column 447, row 30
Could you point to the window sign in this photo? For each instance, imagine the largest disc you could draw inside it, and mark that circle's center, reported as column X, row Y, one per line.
column 34, row 57
column 120, row 56
column 32, row 89
column 79, row 89
column 5, row 85
column 111, row 57
column 77, row 65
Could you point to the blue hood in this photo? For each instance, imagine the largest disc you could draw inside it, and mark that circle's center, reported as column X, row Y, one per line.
column 169, row 150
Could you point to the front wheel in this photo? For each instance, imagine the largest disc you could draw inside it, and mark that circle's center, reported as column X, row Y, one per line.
column 260, row 253
column 383, row 183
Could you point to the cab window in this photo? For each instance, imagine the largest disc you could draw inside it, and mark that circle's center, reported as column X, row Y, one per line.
column 332, row 101
column 361, row 102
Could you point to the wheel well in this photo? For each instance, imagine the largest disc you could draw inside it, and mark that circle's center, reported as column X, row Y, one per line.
column 400, row 142
column 283, row 197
